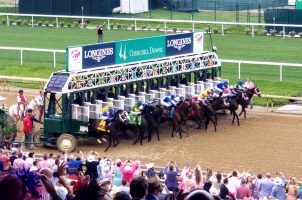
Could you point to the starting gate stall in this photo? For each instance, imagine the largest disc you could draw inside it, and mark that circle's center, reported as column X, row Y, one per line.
column 74, row 98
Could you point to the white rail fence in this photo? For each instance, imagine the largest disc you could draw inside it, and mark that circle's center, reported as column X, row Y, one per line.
column 239, row 62
column 135, row 20
column 22, row 49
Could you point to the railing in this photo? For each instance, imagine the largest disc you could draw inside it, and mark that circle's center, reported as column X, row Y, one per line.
column 21, row 49
column 281, row 65
column 135, row 20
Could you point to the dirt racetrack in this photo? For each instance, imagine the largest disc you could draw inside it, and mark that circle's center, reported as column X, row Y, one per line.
column 265, row 142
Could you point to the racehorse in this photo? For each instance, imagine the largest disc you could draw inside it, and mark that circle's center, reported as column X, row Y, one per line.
column 148, row 122
column 208, row 113
column 180, row 115
column 8, row 128
column 218, row 104
column 17, row 114
column 113, row 130
column 244, row 98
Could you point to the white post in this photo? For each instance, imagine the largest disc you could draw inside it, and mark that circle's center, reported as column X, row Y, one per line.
column 135, row 25
column 283, row 31
column 193, row 28
column 222, row 29
column 57, row 22
column 32, row 21
column 82, row 17
column 108, row 24
column 7, row 20
column 165, row 27
column 253, row 34
column 54, row 59
column 281, row 76
column 239, row 69
column 21, row 56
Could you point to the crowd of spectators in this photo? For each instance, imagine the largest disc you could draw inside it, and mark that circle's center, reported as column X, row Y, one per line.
column 66, row 177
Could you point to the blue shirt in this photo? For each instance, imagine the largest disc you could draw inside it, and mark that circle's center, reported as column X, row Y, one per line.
column 278, row 192
column 299, row 194
column 75, row 164
column 171, row 180
column 265, row 188
column 220, row 85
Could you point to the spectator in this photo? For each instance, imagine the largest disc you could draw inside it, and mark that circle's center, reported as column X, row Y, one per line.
column 243, row 191
column 122, row 196
column 34, row 166
column 44, row 163
column 30, row 159
column 208, row 184
column 278, row 189
column 171, row 172
column 216, row 184
column 199, row 195
column 128, row 170
column 265, row 187
column 255, row 187
column 224, row 191
column 51, row 160
column 5, row 160
column 153, row 189
column 75, row 165
column 19, row 163
column 11, row 186
column 292, row 189
column 198, row 177
column 234, row 183
column 188, row 183
column 40, row 103
column 299, row 194
column 138, row 188
column 100, row 33
column 124, row 187
column 91, row 165
column 117, row 179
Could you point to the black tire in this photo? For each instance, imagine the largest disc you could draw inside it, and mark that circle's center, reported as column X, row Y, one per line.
column 66, row 143
column 36, row 138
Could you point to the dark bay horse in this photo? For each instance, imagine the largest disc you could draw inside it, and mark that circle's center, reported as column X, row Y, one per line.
column 218, row 104
column 244, row 98
column 114, row 129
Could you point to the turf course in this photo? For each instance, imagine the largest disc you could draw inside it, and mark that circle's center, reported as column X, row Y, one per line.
column 230, row 46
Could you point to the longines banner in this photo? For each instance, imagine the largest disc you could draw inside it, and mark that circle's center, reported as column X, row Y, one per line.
column 104, row 54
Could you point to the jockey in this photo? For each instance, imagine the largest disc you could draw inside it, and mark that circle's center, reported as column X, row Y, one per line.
column 240, row 86
column 232, row 91
column 106, row 117
column 135, row 114
column 220, row 87
column 204, row 95
column 169, row 101
column 22, row 101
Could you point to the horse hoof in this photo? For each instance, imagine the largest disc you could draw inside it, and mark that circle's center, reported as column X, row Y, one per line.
column 99, row 141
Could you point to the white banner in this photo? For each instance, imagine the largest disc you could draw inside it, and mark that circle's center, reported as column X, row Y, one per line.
column 198, row 41
column 75, row 59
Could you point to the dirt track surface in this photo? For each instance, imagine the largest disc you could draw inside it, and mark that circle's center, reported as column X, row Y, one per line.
column 265, row 142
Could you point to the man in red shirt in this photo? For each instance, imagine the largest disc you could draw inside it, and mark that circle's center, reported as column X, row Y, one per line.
column 28, row 128
column 243, row 191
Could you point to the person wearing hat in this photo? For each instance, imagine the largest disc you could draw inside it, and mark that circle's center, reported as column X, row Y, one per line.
column 28, row 127
column 243, row 191
column 153, row 189
column 240, row 86
column 278, row 189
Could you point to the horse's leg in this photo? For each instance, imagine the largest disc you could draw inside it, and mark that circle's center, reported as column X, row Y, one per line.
column 157, row 132
column 179, row 130
column 109, row 143
column 237, row 118
column 233, row 114
column 142, row 135
column 138, row 138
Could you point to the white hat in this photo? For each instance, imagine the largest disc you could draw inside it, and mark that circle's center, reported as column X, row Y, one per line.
column 90, row 158
column 149, row 165
column 128, row 168
column 277, row 181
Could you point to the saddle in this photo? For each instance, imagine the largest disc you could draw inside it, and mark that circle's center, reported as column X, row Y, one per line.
column 104, row 126
column 168, row 111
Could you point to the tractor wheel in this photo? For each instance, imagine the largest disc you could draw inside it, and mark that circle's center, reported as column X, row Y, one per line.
column 36, row 138
column 66, row 143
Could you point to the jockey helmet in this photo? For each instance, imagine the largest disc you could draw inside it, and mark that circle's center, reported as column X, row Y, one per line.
column 225, row 83
column 232, row 87
column 240, row 82
column 172, row 96
column 111, row 110
column 139, row 103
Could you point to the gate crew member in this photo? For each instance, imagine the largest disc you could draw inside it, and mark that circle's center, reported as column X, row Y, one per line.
column 22, row 103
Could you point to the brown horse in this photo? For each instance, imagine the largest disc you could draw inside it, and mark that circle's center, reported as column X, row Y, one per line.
column 180, row 115
column 244, row 98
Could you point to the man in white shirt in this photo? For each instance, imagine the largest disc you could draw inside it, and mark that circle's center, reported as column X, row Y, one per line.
column 234, row 183
column 40, row 103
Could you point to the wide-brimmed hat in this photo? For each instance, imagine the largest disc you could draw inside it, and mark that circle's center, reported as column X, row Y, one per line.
column 277, row 181
column 153, row 182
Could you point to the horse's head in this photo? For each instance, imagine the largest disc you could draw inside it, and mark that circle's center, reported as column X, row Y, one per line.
column 148, row 109
column 122, row 117
column 257, row 91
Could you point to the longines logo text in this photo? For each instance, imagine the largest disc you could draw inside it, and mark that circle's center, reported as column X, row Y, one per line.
column 98, row 54
column 179, row 43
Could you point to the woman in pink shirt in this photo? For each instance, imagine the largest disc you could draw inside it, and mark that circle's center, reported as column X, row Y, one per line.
column 128, row 169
